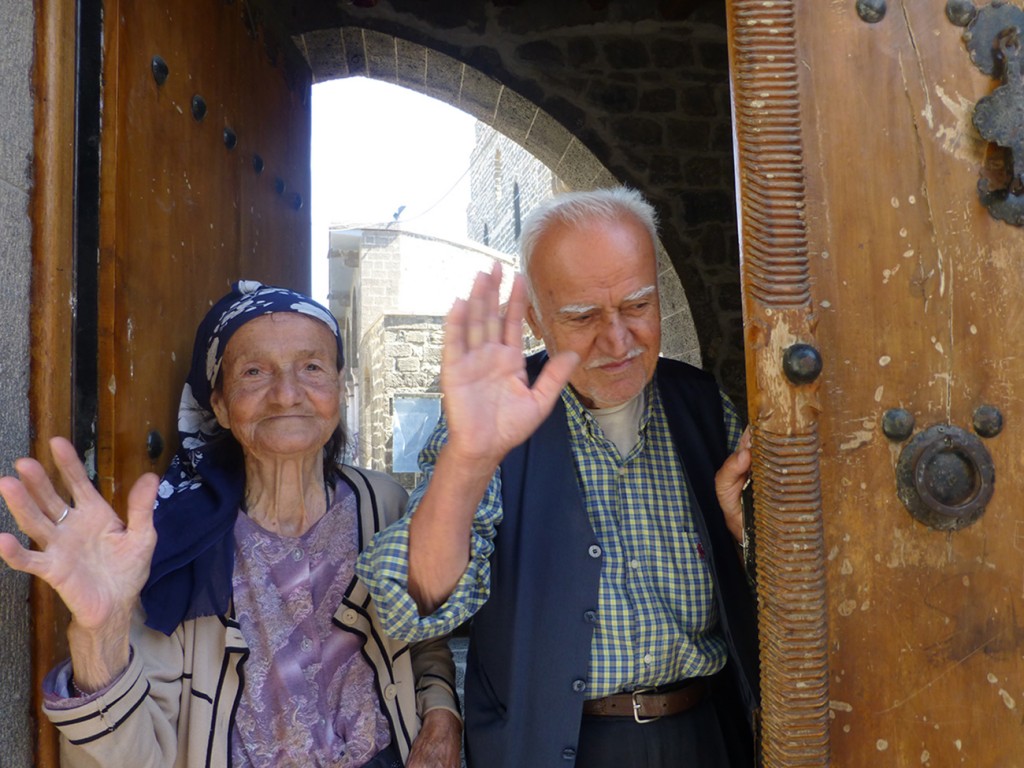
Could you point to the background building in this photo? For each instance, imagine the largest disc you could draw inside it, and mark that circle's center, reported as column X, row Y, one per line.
column 390, row 291
column 505, row 183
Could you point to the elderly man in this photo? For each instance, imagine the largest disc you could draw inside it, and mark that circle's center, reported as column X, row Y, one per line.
column 570, row 505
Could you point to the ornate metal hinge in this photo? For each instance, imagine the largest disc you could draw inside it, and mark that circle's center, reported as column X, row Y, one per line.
column 994, row 39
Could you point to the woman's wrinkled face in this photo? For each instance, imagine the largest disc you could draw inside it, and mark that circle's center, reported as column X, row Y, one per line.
column 280, row 387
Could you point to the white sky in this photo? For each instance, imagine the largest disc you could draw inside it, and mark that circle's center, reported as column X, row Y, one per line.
column 377, row 146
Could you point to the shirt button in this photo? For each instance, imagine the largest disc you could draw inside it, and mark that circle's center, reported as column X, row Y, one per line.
column 634, row 564
column 594, row 551
column 579, row 685
column 648, row 659
column 307, row 644
column 296, row 554
column 568, row 753
column 590, row 617
column 348, row 616
column 390, row 691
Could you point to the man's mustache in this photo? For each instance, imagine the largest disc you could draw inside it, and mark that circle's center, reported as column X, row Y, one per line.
column 602, row 361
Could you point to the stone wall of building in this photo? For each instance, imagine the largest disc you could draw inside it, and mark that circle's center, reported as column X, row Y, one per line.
column 390, row 290
column 384, row 271
column 402, row 355
column 380, row 273
column 506, row 182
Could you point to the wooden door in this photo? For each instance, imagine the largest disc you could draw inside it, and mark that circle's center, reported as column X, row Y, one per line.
column 886, row 641
column 203, row 179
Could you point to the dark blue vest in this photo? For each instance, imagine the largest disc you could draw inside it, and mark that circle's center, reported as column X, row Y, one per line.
column 526, row 672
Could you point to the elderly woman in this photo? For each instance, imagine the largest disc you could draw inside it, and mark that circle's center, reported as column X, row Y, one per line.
column 227, row 627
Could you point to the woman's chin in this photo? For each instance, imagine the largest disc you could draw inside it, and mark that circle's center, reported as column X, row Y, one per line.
column 283, row 444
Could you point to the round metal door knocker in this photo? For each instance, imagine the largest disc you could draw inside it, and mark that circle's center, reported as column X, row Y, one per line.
column 945, row 477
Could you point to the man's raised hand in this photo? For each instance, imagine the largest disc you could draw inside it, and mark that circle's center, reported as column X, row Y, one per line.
column 489, row 404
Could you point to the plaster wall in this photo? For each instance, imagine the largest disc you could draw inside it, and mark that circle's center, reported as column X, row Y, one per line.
column 16, row 128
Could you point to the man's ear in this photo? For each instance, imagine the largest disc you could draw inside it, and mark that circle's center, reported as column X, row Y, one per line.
column 220, row 408
column 533, row 321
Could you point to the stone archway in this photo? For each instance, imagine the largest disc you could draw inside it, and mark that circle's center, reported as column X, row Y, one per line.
column 365, row 53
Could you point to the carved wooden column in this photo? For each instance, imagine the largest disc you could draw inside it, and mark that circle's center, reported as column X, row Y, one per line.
column 782, row 368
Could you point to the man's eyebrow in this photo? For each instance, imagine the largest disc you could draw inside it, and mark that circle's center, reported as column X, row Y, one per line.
column 582, row 309
column 641, row 293
column 577, row 309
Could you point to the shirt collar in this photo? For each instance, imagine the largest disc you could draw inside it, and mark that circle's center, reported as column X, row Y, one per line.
column 582, row 421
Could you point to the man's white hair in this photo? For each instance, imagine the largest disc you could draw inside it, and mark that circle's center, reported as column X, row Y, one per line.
column 578, row 208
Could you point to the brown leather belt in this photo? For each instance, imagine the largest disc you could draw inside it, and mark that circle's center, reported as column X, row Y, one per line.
column 647, row 704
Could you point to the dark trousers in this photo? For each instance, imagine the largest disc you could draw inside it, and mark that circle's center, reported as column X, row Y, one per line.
column 707, row 736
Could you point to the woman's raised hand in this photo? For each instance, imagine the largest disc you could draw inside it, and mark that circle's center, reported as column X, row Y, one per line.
column 95, row 562
column 489, row 404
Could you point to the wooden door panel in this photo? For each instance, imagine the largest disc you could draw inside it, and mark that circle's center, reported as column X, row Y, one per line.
column 183, row 213
column 914, row 304
column 181, row 216
column 924, row 640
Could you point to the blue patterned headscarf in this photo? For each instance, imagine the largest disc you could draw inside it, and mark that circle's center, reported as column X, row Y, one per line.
column 200, row 492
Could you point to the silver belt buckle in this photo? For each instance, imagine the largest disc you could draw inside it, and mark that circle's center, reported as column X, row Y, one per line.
column 636, row 707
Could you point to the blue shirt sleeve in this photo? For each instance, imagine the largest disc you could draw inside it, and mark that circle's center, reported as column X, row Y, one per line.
column 384, row 564
column 733, row 422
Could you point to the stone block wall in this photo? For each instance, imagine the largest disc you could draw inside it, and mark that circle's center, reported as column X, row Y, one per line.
column 401, row 355
column 380, row 260
column 387, row 271
column 390, row 290
column 506, row 183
